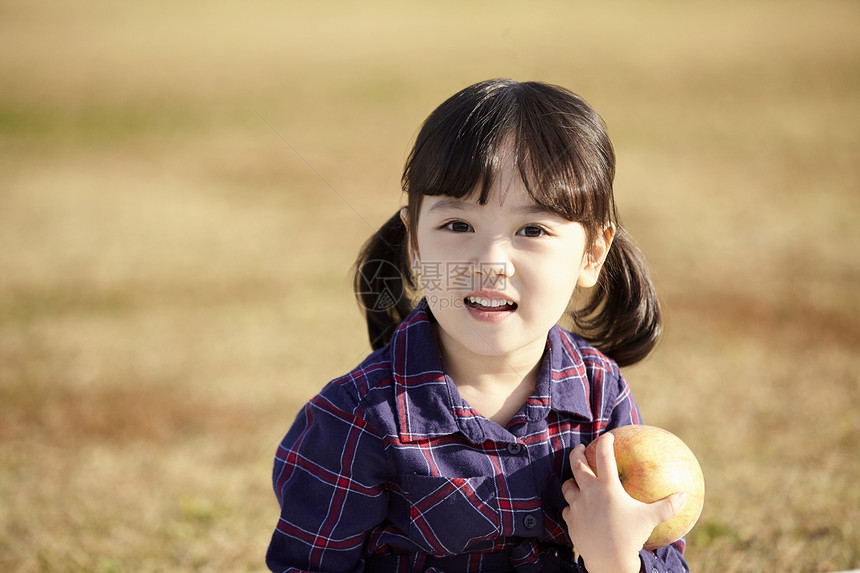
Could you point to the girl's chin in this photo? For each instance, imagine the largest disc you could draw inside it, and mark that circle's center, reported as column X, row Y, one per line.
column 490, row 343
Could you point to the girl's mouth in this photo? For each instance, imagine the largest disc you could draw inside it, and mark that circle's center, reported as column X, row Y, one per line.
column 486, row 304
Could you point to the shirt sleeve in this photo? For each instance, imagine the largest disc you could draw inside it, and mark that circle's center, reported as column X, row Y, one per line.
column 669, row 559
column 328, row 476
column 625, row 411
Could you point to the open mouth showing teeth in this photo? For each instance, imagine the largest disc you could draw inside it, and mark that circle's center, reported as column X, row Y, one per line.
column 482, row 303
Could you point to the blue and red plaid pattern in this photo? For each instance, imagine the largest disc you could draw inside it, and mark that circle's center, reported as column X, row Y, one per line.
column 388, row 469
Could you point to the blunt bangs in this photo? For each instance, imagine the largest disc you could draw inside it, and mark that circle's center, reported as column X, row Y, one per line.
column 559, row 142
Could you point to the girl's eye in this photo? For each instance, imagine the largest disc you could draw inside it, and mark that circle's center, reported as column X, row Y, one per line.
column 458, row 226
column 531, row 231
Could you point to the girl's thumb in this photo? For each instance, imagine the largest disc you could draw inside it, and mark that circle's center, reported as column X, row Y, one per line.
column 668, row 507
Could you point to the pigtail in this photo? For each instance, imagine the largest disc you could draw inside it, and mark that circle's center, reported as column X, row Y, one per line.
column 623, row 318
column 383, row 282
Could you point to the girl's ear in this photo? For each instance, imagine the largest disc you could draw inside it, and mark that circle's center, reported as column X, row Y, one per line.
column 413, row 256
column 595, row 256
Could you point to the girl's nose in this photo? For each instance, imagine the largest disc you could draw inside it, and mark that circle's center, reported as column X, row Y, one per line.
column 494, row 264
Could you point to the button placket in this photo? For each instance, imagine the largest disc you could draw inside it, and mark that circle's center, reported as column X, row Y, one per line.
column 515, row 448
column 530, row 521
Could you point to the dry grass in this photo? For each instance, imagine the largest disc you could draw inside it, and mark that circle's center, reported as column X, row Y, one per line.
column 174, row 274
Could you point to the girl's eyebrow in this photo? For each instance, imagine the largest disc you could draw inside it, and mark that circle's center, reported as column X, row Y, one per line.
column 449, row 204
column 534, row 209
column 454, row 204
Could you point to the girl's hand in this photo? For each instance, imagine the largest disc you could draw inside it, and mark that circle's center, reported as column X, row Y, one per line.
column 606, row 525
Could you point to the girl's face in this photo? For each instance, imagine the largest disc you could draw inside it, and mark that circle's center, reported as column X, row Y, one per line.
column 497, row 277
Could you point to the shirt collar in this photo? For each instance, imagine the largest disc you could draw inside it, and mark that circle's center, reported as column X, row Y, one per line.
column 425, row 406
column 429, row 406
column 569, row 387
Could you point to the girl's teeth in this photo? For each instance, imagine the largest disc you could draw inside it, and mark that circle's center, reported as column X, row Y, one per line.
column 487, row 302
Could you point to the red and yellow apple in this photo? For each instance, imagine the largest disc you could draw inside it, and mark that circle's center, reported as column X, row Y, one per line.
column 654, row 463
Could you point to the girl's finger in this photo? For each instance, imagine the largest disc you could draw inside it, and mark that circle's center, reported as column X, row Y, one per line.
column 605, row 456
column 668, row 507
column 579, row 465
column 569, row 489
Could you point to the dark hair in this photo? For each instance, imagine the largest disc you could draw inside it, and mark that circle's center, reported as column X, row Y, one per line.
column 567, row 164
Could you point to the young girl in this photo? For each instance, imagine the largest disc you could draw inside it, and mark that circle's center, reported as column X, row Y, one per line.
column 457, row 445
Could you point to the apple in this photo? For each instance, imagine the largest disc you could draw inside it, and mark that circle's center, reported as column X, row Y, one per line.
column 654, row 463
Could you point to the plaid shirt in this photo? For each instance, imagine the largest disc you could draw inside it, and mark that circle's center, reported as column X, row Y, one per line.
column 388, row 469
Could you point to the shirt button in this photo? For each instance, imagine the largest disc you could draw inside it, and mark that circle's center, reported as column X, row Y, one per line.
column 514, row 448
column 530, row 521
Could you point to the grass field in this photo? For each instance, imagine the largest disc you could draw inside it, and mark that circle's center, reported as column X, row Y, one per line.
column 184, row 186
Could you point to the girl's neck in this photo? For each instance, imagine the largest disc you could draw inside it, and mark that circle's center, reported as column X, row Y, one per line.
column 495, row 385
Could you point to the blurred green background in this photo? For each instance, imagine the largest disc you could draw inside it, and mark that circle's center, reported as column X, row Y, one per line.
column 184, row 186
